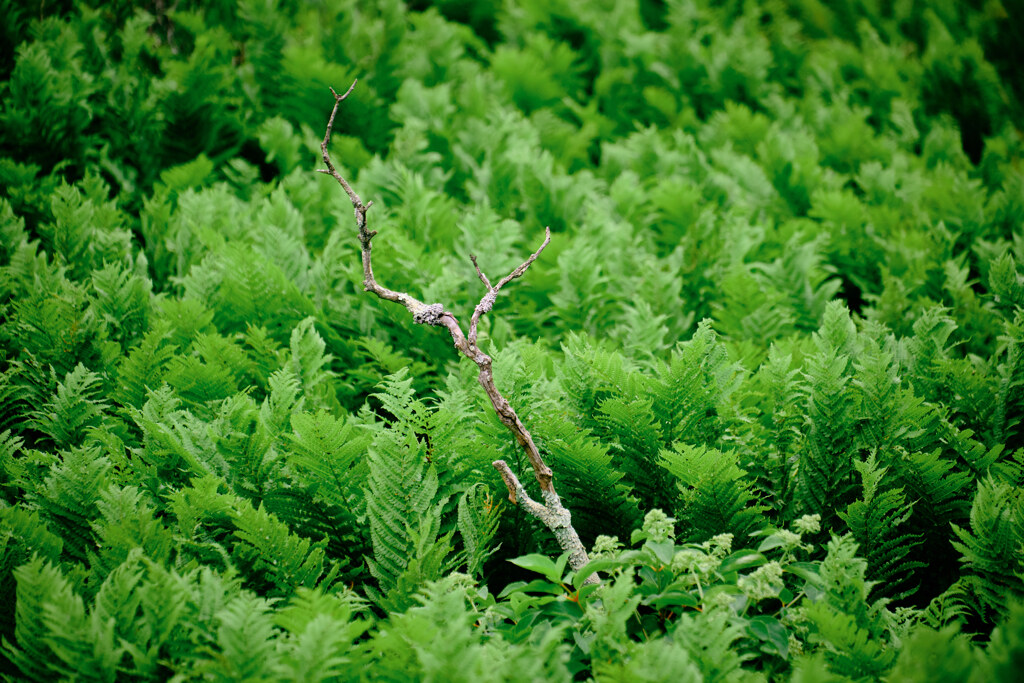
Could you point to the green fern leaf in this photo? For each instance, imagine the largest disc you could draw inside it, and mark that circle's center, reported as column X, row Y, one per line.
column 715, row 496
column 991, row 548
column 72, row 410
column 878, row 522
column 69, row 496
column 273, row 554
column 478, row 525
column 143, row 369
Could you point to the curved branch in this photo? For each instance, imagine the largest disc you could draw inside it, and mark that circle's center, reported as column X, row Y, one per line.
column 552, row 513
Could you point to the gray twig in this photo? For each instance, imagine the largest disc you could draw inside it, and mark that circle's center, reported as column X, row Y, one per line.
column 552, row 513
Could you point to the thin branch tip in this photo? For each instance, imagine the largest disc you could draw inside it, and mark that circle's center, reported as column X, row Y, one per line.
column 480, row 273
column 341, row 98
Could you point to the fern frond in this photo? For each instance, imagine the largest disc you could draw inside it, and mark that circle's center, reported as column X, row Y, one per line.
column 478, row 517
column 330, row 457
column 590, row 373
column 72, row 410
column 878, row 522
column 69, row 496
column 688, row 395
column 876, row 381
column 399, row 400
column 710, row 638
column 853, row 630
column 991, row 548
column 23, row 536
column 272, row 554
column 143, row 369
column 311, row 365
column 401, row 492
column 127, row 522
column 54, row 638
column 246, row 640
column 281, row 401
column 122, row 302
column 715, row 496
column 175, row 443
column 636, row 433
column 769, row 458
column 825, row 466
column 954, row 605
column 601, row 502
column 322, row 632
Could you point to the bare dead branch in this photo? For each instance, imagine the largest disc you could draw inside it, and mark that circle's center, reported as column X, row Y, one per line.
column 551, row 513
column 480, row 274
column 487, row 302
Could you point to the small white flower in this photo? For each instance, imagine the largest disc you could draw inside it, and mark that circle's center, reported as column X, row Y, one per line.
column 808, row 524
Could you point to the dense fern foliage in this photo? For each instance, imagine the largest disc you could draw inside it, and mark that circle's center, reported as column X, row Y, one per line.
column 774, row 353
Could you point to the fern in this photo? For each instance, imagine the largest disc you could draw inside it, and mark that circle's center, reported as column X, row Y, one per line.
column 245, row 641
column 311, row 365
column 69, row 496
column 176, row 444
column 210, row 375
column 990, row 549
column 142, row 369
column 940, row 492
column 853, row 630
column 436, row 639
column 777, row 388
column 825, row 465
column 952, row 606
column 13, row 402
column 1003, row 654
column 688, row 397
column 273, row 555
column 23, row 536
column 478, row 516
column 878, row 522
column 72, row 410
column 322, row 630
column 9, row 447
column 55, row 638
column 248, row 290
column 254, row 464
column 1005, row 282
column 590, row 373
column 649, row 662
column 710, row 638
column 637, row 433
column 127, row 521
column 877, row 383
column 282, row 400
column 122, row 303
column 601, row 502
column 330, row 455
column 714, row 497
column 400, row 497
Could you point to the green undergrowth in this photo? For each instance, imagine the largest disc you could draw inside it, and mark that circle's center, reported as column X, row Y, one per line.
column 774, row 352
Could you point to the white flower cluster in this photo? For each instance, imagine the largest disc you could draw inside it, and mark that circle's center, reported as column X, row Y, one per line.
column 702, row 561
column 764, row 582
column 605, row 546
column 658, row 526
column 808, row 524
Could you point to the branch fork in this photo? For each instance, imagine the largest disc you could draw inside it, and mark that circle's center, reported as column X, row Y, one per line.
column 551, row 512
